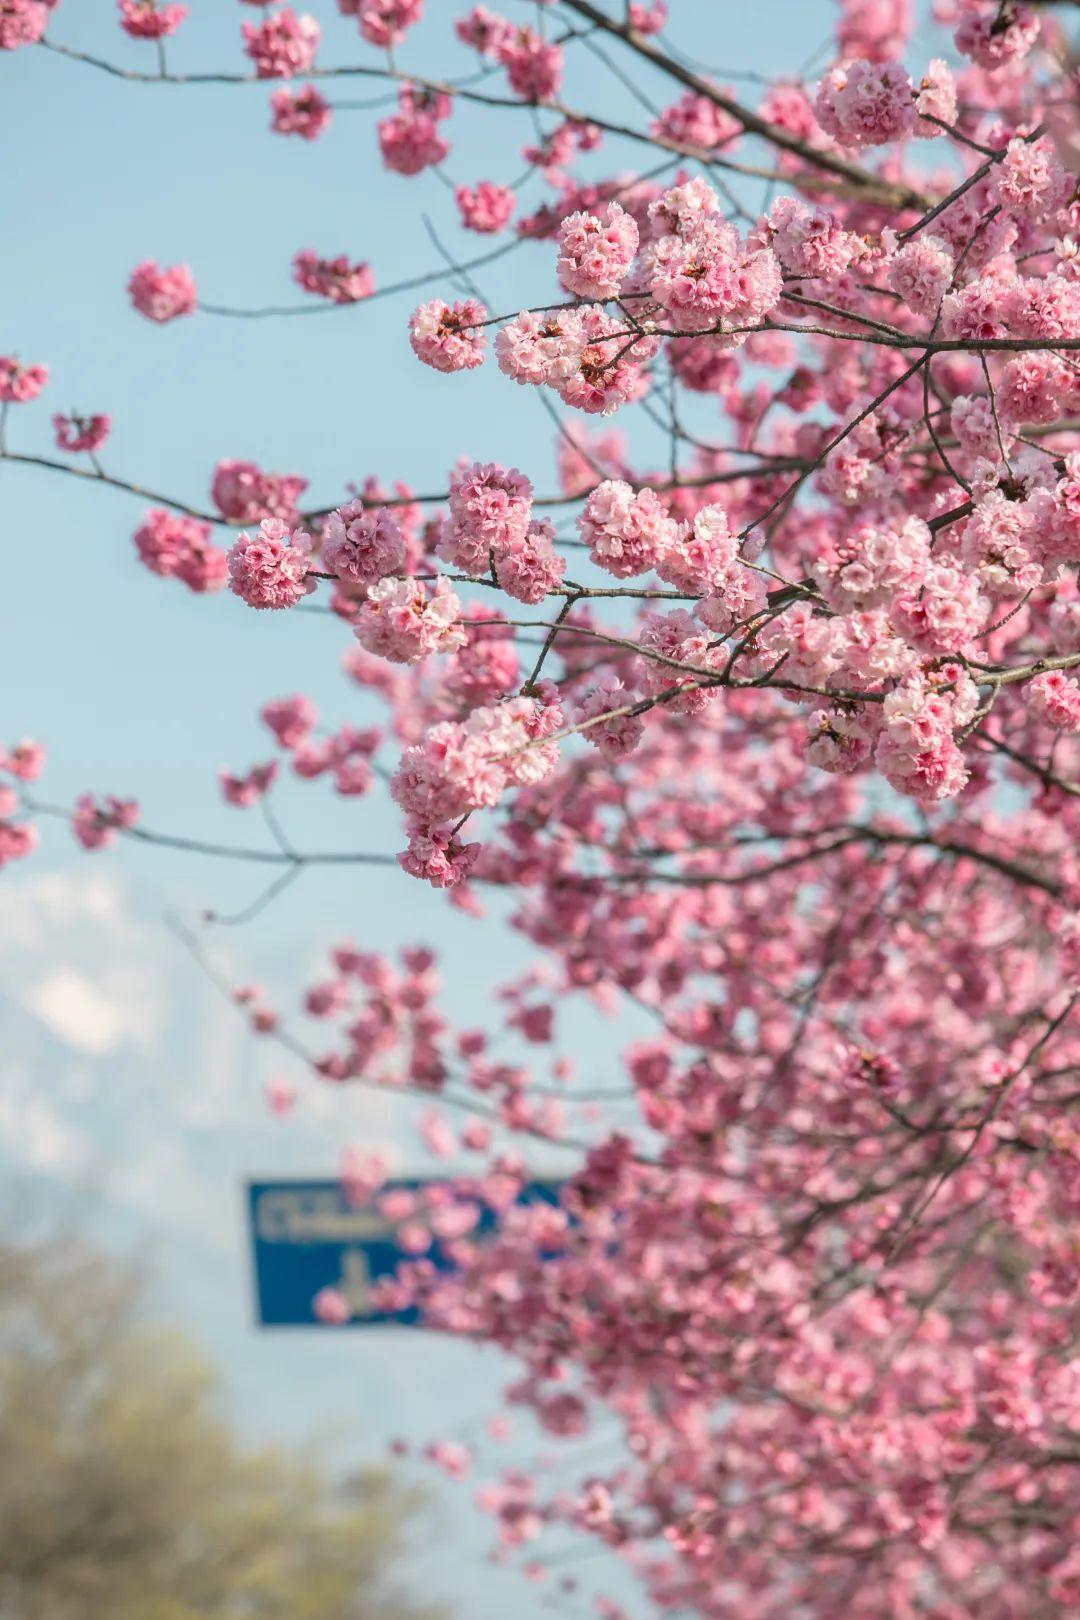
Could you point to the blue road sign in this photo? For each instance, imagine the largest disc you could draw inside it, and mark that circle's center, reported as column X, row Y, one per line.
column 306, row 1236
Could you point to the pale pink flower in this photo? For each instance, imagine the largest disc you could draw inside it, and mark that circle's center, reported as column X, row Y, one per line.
column 921, row 272
column 449, row 337
column 270, row 569
column 597, row 251
column 615, row 734
column 403, row 621
column 280, row 1096
column 529, row 568
column 362, row 546
column 627, row 532
column 866, row 103
column 1054, row 698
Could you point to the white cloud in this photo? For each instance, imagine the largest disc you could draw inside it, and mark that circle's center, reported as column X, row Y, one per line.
column 37, row 1134
column 81, row 1013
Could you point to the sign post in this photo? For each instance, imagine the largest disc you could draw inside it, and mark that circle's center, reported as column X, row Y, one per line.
column 307, row 1236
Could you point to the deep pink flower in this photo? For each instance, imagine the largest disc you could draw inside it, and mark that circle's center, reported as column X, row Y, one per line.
column 283, row 44
column 25, row 759
column 627, row 533
column 243, row 493
column 81, row 433
column 336, row 279
column 161, row 294
column 23, row 22
column 534, row 66
column 151, row 19
column 96, row 823
column 485, row 207
column 244, row 791
column 384, row 23
column 291, row 719
column 647, row 16
column 20, row 384
column 300, row 112
column 361, row 546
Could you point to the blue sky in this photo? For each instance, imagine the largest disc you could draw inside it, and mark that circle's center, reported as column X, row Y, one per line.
column 127, row 1091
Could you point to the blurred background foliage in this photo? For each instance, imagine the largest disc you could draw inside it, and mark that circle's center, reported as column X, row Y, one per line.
column 124, row 1495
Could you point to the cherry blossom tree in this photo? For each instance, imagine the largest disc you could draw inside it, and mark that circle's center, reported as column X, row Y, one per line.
column 771, row 740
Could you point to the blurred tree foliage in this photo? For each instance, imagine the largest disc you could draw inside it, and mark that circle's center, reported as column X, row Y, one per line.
column 125, row 1496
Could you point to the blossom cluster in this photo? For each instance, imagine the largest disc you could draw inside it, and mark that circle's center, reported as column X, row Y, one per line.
column 760, row 721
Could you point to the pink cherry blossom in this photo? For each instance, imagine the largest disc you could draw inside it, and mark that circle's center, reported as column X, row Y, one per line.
column 96, row 823
column 270, row 569
column 597, row 251
column 486, row 207
column 22, row 22
column 336, row 279
column 605, row 715
column 411, row 140
column 402, row 621
column 707, row 278
column 534, row 66
column 385, row 23
column 647, row 16
column 24, row 760
column 755, row 719
column 244, row 493
column 627, row 533
column 866, row 103
column 529, row 568
column 361, row 546
column 449, row 337
column 490, row 511
column 161, row 294
column 921, row 272
column 1055, row 699
column 20, row 384
column 300, row 112
column 173, row 545
column 993, row 46
column 77, row 434
column 244, row 791
column 151, row 19
column 283, row 44
column 331, row 1306
column 291, row 719
column 281, row 1095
